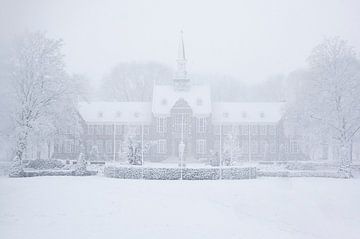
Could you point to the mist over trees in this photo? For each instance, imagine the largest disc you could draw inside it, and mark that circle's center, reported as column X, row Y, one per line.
column 134, row 81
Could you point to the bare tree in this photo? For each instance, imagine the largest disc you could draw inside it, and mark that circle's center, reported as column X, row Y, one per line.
column 134, row 81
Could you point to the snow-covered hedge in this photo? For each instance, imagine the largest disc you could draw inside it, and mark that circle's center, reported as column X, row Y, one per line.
column 45, row 164
column 162, row 173
column 310, row 173
column 310, row 166
column 175, row 173
column 55, row 173
column 239, row 173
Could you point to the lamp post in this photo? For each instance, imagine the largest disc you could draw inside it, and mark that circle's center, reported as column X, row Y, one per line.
column 181, row 147
column 220, row 153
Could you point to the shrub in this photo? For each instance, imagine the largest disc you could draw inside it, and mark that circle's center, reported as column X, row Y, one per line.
column 42, row 164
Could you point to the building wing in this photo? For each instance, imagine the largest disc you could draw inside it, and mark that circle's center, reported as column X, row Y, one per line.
column 116, row 112
column 247, row 113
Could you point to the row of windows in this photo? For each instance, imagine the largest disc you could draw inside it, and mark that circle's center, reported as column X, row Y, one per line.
column 161, row 146
column 244, row 129
column 67, row 146
column 262, row 146
column 180, row 121
column 119, row 129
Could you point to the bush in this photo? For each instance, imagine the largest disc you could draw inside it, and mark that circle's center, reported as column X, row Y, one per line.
column 175, row 173
column 42, row 164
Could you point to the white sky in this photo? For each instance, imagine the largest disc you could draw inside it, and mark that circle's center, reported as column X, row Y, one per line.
column 250, row 39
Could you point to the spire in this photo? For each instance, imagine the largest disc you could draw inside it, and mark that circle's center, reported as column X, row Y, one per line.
column 181, row 49
column 181, row 81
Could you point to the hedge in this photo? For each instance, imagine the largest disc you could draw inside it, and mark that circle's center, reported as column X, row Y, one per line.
column 133, row 172
column 38, row 173
column 310, row 173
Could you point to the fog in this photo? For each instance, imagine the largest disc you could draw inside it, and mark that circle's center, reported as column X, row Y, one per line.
column 248, row 40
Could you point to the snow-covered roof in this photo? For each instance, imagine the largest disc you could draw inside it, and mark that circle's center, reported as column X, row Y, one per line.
column 116, row 112
column 165, row 96
column 254, row 112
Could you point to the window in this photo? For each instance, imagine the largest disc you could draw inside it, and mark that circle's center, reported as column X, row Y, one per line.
column 199, row 101
column 245, row 129
column 98, row 129
column 294, row 147
column 119, row 129
column 146, row 130
column 201, row 125
column 244, row 114
column 108, row 146
column 200, row 146
column 254, row 129
column 89, row 145
column 254, row 147
column 161, row 146
column 226, row 115
column 272, row 148
column 68, row 146
column 118, row 114
column 262, row 115
column 100, row 114
column 118, row 146
column 262, row 147
column 68, row 130
column 164, row 102
column 227, row 129
column 108, row 129
column 133, row 130
column 99, row 144
column 91, row 129
column 161, row 125
column 245, row 147
column 57, row 147
column 262, row 129
column 272, row 130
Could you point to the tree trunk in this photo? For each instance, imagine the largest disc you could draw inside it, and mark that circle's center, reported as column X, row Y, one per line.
column 345, row 158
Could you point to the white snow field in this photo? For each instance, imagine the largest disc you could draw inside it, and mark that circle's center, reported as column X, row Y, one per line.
column 99, row 207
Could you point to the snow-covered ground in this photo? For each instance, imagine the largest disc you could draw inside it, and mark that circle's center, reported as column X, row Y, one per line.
column 99, row 207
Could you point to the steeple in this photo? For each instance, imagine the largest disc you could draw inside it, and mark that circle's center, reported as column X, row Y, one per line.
column 181, row 81
column 181, row 48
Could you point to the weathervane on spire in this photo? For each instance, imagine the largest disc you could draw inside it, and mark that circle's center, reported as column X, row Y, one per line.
column 181, row 81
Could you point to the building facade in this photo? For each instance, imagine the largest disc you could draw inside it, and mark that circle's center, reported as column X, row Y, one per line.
column 181, row 112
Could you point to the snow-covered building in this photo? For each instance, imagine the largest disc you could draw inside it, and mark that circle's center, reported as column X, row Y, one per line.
column 182, row 112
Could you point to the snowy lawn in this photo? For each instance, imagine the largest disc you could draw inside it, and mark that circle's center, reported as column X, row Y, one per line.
column 99, row 207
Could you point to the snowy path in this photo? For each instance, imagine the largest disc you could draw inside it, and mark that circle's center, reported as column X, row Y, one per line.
column 97, row 207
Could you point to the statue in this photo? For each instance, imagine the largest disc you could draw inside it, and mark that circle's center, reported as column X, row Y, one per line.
column 181, row 152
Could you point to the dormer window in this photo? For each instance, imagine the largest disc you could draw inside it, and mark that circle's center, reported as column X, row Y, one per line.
column 199, row 101
column 100, row 114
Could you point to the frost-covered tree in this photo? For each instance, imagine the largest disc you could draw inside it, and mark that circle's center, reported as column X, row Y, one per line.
column 230, row 148
column 134, row 153
column 81, row 164
column 41, row 88
column 134, row 81
column 328, row 97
